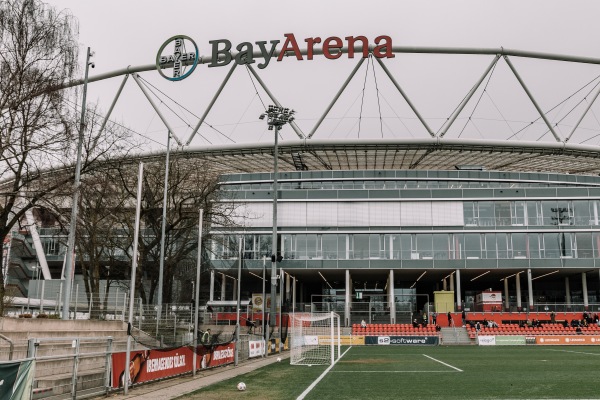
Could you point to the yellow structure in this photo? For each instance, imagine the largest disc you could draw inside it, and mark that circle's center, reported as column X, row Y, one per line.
column 444, row 301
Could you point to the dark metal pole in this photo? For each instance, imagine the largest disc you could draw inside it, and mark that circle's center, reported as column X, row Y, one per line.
column 273, row 310
column 70, row 262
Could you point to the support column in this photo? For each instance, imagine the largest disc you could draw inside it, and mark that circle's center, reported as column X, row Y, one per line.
column 584, row 290
column 294, row 295
column 530, row 289
column 567, row 293
column 452, row 282
column 444, row 284
column 223, row 285
column 288, row 292
column 391, row 299
column 518, row 283
column 348, row 299
column 458, row 297
column 212, row 286
column 506, row 297
column 236, row 282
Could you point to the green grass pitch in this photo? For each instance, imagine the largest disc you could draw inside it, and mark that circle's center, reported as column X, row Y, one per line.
column 424, row 372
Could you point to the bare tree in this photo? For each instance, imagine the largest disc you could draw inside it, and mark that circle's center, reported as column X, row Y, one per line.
column 192, row 186
column 38, row 53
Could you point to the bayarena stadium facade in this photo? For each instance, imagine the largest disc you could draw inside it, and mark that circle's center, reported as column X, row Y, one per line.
column 387, row 228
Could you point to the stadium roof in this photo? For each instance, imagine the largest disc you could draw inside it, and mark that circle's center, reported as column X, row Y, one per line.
column 400, row 154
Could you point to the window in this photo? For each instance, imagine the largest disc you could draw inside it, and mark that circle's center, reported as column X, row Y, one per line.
column 519, row 245
column 502, row 213
column 584, row 245
column 581, row 213
column 518, row 213
column 486, row 213
column 361, row 247
column 533, row 213
column 551, row 245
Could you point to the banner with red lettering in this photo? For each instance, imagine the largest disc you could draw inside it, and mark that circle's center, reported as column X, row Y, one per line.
column 567, row 340
column 149, row 365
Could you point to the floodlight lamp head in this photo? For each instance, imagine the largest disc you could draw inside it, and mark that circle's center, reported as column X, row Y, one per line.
column 262, row 116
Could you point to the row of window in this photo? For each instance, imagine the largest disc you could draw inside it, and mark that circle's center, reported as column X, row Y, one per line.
column 439, row 246
column 531, row 212
column 401, row 184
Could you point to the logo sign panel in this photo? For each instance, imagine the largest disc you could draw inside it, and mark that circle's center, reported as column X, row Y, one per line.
column 402, row 340
column 222, row 54
column 179, row 59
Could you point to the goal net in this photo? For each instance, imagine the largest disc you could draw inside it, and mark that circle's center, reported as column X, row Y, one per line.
column 314, row 338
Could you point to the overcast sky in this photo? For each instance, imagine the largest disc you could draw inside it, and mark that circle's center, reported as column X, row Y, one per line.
column 130, row 32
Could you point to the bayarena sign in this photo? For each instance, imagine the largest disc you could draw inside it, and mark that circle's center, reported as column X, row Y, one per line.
column 222, row 55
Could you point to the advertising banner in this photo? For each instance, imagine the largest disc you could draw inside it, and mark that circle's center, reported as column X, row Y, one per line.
column 486, row 340
column 402, row 340
column 258, row 302
column 511, row 340
column 149, row 365
column 498, row 340
column 256, row 348
column 16, row 380
column 567, row 340
column 345, row 340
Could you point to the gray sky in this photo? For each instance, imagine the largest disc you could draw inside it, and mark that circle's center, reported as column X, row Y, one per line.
column 130, row 32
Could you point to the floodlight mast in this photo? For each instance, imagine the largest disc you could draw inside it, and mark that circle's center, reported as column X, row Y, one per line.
column 276, row 117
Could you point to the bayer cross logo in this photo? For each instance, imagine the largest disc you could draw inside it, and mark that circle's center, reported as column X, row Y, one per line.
column 182, row 61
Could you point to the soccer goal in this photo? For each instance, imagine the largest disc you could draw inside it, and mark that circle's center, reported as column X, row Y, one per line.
column 314, row 338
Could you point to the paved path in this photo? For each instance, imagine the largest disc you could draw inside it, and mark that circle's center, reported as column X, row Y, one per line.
column 176, row 387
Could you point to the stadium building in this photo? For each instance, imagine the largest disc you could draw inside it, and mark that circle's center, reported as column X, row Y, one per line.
column 386, row 228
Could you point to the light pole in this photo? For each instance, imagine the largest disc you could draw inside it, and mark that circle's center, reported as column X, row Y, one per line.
column 277, row 116
column 70, row 262
column 161, row 267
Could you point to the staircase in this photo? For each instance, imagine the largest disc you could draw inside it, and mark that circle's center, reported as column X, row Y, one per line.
column 455, row 336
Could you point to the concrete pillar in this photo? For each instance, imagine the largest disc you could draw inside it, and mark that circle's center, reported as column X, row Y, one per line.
column 506, row 297
column 458, row 296
column 444, row 284
column 391, row 299
column 235, row 288
column 567, row 292
column 223, row 285
column 530, row 288
column 347, row 299
column 294, row 295
column 288, row 292
column 584, row 290
column 452, row 282
column 212, row 286
column 518, row 283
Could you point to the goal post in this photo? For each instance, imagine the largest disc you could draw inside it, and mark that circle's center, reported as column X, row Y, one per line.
column 314, row 338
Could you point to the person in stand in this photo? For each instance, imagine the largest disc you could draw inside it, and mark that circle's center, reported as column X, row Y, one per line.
column 464, row 318
column 205, row 337
column 363, row 324
column 415, row 323
column 424, row 318
column 434, row 318
column 449, row 318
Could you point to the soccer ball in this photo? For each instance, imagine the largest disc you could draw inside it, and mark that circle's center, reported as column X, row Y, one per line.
column 241, row 386
column 278, row 359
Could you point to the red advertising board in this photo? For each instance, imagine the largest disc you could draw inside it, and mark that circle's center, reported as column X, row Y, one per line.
column 567, row 340
column 150, row 365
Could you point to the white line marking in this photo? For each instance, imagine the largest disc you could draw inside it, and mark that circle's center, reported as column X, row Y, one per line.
column 443, row 363
column 576, row 352
column 379, row 372
column 312, row 385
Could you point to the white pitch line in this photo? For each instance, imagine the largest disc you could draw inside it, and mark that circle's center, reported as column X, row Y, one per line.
column 576, row 352
column 312, row 385
column 443, row 363
column 393, row 372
